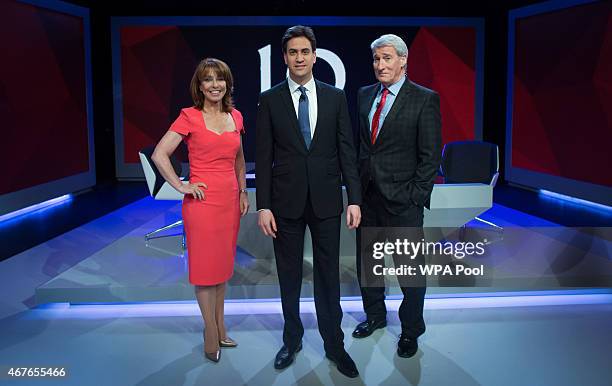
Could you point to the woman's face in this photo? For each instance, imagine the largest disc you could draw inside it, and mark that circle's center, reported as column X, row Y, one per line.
column 213, row 87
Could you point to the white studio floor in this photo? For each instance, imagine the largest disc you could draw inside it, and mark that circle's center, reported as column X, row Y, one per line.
column 543, row 338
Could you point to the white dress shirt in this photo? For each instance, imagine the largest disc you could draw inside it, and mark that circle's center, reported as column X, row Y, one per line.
column 311, row 93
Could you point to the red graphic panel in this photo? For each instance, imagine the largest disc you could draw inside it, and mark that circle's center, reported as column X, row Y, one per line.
column 42, row 96
column 154, row 62
column 562, row 93
column 442, row 59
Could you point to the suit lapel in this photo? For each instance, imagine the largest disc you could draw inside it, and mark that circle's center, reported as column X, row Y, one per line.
column 322, row 103
column 364, row 111
column 286, row 97
column 400, row 101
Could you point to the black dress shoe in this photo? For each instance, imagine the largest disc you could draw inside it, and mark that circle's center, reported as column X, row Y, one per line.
column 285, row 357
column 344, row 363
column 365, row 329
column 407, row 347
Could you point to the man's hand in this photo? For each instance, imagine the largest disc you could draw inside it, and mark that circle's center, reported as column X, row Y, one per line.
column 266, row 222
column 353, row 216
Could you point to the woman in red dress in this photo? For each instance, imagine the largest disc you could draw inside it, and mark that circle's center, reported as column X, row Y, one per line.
column 215, row 196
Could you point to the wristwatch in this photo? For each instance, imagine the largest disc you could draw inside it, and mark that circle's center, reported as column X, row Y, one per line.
column 243, row 191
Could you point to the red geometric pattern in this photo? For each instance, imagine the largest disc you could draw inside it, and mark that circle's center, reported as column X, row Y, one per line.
column 157, row 63
column 442, row 58
column 562, row 93
column 149, row 87
column 42, row 96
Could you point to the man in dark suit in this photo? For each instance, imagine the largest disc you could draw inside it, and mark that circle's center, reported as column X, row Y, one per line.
column 304, row 151
column 399, row 155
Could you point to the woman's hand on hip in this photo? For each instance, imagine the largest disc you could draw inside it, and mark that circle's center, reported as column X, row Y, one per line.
column 195, row 189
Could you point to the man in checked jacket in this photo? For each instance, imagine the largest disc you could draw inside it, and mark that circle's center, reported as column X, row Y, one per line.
column 399, row 155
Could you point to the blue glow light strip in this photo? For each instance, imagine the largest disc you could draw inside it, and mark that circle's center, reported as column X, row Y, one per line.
column 575, row 200
column 251, row 307
column 36, row 207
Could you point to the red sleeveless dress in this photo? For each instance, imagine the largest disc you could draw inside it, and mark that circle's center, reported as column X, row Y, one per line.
column 211, row 226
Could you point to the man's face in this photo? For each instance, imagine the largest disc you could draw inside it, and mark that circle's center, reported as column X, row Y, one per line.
column 388, row 65
column 299, row 58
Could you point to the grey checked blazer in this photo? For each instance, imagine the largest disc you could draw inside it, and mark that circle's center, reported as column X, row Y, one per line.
column 404, row 160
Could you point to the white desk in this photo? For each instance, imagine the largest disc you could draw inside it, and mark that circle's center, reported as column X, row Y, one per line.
column 452, row 205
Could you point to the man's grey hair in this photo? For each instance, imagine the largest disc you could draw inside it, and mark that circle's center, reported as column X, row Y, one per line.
column 393, row 41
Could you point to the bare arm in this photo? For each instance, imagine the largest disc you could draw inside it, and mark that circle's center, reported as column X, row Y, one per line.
column 240, row 168
column 241, row 176
column 161, row 156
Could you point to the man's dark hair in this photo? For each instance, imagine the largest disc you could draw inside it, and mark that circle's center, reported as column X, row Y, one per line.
column 297, row 31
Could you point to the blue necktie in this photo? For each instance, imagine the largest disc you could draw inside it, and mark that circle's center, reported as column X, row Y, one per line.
column 303, row 118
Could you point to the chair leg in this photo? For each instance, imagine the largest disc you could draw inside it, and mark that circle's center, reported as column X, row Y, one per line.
column 173, row 225
column 489, row 223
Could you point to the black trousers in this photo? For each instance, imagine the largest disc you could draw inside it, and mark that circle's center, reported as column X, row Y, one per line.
column 289, row 253
column 410, row 312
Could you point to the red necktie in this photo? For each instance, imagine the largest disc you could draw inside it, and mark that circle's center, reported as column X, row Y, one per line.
column 376, row 117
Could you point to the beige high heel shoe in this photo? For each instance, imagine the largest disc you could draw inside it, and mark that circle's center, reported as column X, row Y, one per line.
column 227, row 342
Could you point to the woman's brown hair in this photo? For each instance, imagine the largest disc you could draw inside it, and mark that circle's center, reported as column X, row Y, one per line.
column 221, row 70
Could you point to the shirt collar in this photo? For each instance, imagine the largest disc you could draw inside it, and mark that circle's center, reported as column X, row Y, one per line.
column 293, row 86
column 395, row 87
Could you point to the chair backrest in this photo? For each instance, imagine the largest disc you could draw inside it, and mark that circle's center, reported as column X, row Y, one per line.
column 470, row 162
column 155, row 181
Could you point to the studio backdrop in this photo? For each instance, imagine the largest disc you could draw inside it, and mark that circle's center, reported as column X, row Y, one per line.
column 559, row 122
column 47, row 147
column 154, row 59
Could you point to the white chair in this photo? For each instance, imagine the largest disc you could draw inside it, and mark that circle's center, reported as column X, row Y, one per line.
column 471, row 162
column 159, row 188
